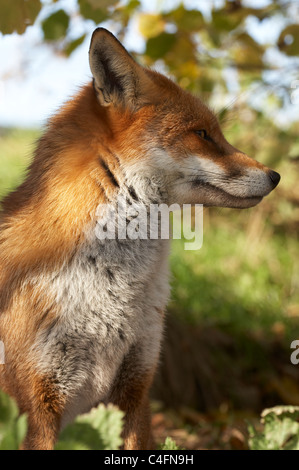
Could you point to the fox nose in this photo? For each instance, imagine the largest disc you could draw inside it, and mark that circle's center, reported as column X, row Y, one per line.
column 274, row 177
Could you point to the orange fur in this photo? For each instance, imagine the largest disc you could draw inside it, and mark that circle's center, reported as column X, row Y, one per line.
column 42, row 226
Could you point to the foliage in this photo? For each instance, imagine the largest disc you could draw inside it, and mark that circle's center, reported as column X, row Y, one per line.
column 195, row 47
column 169, row 444
column 16, row 148
column 55, row 26
column 18, row 15
column 12, row 426
column 288, row 41
column 98, row 430
column 280, row 430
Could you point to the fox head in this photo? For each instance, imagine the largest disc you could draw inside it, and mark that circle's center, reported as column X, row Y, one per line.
column 163, row 133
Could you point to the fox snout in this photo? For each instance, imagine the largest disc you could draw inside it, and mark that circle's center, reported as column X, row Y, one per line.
column 240, row 189
column 231, row 180
column 274, row 177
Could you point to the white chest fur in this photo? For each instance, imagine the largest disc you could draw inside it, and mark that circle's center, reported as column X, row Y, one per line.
column 110, row 297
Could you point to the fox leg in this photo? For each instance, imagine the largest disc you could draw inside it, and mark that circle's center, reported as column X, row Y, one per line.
column 133, row 400
column 130, row 394
column 137, row 433
column 44, row 417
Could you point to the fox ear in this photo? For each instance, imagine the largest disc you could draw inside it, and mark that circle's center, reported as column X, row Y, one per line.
column 118, row 79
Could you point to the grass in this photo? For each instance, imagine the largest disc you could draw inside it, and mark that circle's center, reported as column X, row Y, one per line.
column 16, row 147
column 246, row 275
column 235, row 279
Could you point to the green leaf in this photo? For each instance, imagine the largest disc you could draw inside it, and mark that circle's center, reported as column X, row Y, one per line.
column 169, row 444
column 55, row 26
column 288, row 41
column 13, row 427
column 132, row 6
column 186, row 20
column 91, row 10
column 79, row 436
column 233, row 14
column 281, row 430
column 17, row 15
column 108, row 423
column 223, row 21
column 160, row 45
column 247, row 53
column 150, row 25
column 185, row 49
column 99, row 430
column 8, row 409
column 71, row 46
column 102, row 3
column 20, row 429
column 281, row 410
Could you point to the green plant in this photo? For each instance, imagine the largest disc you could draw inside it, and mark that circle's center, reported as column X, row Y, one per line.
column 98, row 430
column 195, row 45
column 169, row 444
column 280, row 430
column 13, row 427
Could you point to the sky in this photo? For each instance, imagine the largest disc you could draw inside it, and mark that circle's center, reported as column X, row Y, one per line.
column 34, row 81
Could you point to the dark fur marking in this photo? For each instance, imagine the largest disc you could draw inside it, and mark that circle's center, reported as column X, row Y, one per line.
column 96, row 314
column 52, row 326
column 109, row 173
column 132, row 193
column 111, row 153
column 62, row 346
column 110, row 274
column 92, row 260
column 121, row 334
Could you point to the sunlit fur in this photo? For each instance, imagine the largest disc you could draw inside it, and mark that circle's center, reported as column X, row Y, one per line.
column 82, row 319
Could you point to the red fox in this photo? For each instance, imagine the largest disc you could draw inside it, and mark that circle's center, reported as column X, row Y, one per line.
column 81, row 319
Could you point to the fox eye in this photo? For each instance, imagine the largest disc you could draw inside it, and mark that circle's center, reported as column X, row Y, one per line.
column 202, row 133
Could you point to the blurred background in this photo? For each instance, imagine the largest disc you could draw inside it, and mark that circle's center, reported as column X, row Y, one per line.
column 235, row 303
